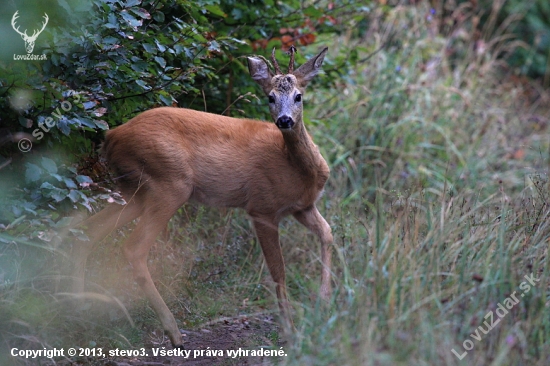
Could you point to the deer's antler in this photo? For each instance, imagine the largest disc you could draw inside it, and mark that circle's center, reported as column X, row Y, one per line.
column 291, row 52
column 275, row 64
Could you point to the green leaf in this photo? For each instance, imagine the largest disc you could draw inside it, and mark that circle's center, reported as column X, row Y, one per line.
column 215, row 10
column 80, row 235
column 33, row 173
column 87, row 122
column 70, row 183
column 49, row 165
column 63, row 222
column 63, row 126
column 143, row 84
column 17, row 220
column 130, row 3
column 142, row 13
column 57, row 176
column 29, row 207
column 158, row 16
column 84, row 179
column 113, row 21
column 160, row 61
column 102, row 125
column 47, row 185
column 140, row 66
column 131, row 19
column 109, row 41
column 312, row 11
column 25, row 122
column 54, row 192
column 149, row 48
column 74, row 195
column 214, row 46
column 166, row 99
column 58, row 194
column 239, row 41
column 89, row 104
column 236, row 14
column 160, row 46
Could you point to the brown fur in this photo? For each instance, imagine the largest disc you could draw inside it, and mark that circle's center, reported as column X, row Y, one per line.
column 174, row 149
column 166, row 157
column 284, row 84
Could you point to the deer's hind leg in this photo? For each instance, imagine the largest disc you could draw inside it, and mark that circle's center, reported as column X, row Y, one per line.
column 158, row 209
column 312, row 219
column 97, row 227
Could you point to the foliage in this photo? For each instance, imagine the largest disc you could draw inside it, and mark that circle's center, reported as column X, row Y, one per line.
column 147, row 53
column 534, row 30
column 522, row 28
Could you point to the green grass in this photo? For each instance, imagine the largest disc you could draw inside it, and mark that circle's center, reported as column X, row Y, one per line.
column 439, row 208
column 438, row 203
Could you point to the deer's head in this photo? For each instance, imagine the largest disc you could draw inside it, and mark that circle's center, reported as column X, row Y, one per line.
column 29, row 40
column 285, row 91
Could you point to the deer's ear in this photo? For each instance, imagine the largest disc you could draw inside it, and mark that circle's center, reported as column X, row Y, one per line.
column 307, row 71
column 259, row 71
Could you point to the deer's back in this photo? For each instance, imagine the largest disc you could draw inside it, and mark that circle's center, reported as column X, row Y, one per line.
column 227, row 161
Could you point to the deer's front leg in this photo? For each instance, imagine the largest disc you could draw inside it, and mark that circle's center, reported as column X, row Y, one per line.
column 312, row 219
column 267, row 232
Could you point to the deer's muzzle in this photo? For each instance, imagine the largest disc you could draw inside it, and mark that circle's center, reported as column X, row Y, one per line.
column 284, row 122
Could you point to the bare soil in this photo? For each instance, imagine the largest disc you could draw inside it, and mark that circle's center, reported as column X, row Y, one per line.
column 247, row 333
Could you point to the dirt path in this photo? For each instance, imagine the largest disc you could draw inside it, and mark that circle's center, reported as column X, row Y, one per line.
column 227, row 341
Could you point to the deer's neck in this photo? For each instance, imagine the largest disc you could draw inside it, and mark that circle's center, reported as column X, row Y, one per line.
column 302, row 152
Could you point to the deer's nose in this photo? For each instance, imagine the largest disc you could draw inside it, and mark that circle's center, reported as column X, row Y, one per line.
column 284, row 122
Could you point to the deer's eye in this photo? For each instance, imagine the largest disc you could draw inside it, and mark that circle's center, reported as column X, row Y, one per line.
column 271, row 99
column 298, row 98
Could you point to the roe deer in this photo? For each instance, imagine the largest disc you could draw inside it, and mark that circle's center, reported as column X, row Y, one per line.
column 166, row 157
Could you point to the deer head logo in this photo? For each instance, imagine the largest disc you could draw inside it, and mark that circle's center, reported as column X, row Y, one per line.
column 29, row 40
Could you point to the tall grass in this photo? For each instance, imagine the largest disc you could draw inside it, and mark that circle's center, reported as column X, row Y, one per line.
column 438, row 203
